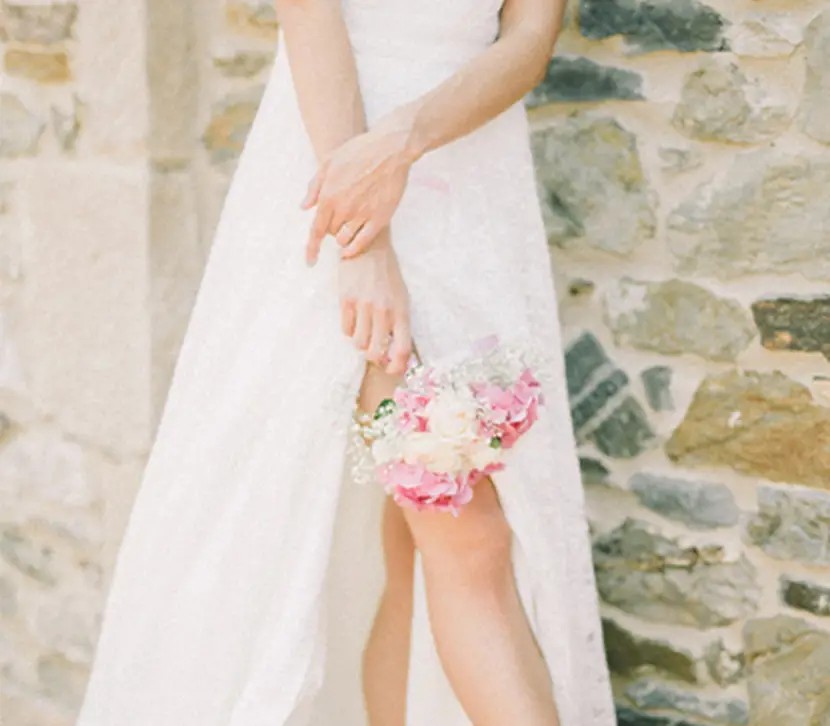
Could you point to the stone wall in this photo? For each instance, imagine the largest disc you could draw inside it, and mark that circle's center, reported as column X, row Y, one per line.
column 118, row 128
column 683, row 164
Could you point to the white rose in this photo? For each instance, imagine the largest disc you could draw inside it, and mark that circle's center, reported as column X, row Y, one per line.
column 435, row 452
column 452, row 416
column 481, row 454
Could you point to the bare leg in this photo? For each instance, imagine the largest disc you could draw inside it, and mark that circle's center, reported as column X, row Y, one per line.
column 482, row 635
column 386, row 657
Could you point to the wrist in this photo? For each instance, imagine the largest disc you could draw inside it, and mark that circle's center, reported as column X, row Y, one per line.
column 400, row 125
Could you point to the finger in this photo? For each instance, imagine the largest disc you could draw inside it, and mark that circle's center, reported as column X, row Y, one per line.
column 361, row 241
column 381, row 329
column 345, row 234
column 313, row 191
column 348, row 317
column 363, row 326
column 319, row 227
column 401, row 348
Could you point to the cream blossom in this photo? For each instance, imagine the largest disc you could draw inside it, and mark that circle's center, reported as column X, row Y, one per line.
column 436, row 452
column 452, row 415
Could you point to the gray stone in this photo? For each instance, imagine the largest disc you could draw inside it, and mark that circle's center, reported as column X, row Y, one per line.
column 765, row 35
column 657, row 384
column 601, row 410
column 66, row 125
column 768, row 213
column 243, row 63
column 585, row 409
column 581, row 288
column 581, row 79
column 583, row 359
column 229, row 125
column 626, row 432
column 675, row 317
column 762, row 424
column 699, row 505
column 647, row 25
column 789, row 672
column 792, row 524
column 816, row 120
column 68, row 623
column 788, row 323
column 594, row 472
column 719, row 103
column 30, row 557
column 8, row 599
column 61, row 680
column 628, row 653
column 40, row 23
column 629, row 717
column 676, row 160
column 725, row 667
column 808, row 596
column 20, row 131
column 580, row 161
column 647, row 574
column 654, row 695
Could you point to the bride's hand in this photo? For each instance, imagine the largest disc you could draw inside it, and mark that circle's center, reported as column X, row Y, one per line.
column 374, row 305
column 357, row 189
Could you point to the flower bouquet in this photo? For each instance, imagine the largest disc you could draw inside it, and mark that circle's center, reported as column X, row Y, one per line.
column 448, row 425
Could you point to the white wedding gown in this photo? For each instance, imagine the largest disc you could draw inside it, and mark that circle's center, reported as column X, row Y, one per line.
column 250, row 568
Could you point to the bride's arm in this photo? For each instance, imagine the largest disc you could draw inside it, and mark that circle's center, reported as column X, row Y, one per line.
column 513, row 65
column 364, row 179
column 324, row 72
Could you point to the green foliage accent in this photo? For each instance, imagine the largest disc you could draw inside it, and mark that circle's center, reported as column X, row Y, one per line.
column 385, row 408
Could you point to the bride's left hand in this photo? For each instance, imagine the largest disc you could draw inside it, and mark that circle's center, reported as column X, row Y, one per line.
column 359, row 185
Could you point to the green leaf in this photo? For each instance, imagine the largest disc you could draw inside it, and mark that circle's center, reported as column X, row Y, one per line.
column 385, row 407
column 495, row 442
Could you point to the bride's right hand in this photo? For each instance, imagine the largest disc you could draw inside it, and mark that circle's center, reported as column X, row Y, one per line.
column 374, row 304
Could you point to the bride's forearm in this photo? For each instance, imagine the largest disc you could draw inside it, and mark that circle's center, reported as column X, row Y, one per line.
column 485, row 85
column 324, row 72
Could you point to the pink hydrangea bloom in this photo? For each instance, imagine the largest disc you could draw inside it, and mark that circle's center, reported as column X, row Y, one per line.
column 510, row 411
column 415, row 486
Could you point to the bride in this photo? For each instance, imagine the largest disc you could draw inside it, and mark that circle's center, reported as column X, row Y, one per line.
column 385, row 202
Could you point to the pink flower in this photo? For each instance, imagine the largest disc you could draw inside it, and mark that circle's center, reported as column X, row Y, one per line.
column 410, row 411
column 415, row 486
column 510, row 411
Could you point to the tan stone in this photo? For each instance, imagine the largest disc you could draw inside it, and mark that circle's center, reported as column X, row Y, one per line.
column 39, row 22
column 763, row 424
column 42, row 66
column 789, row 672
column 253, row 17
column 243, row 64
column 228, row 128
column 172, row 75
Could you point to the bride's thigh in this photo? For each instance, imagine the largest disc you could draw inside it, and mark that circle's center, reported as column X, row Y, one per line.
column 377, row 384
column 476, row 542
